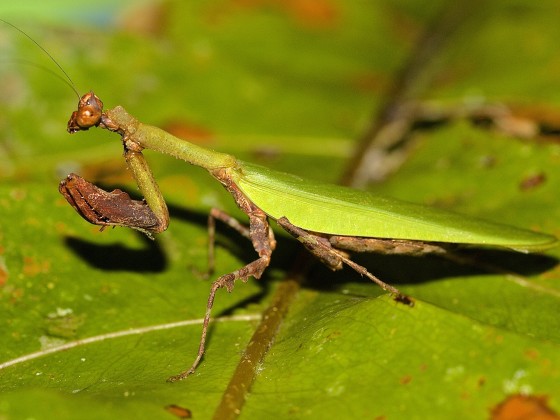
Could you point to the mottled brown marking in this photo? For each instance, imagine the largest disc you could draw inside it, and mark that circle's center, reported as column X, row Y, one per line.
column 533, row 181
column 532, row 354
column 177, row 411
column 32, row 267
column 405, row 380
column 104, row 208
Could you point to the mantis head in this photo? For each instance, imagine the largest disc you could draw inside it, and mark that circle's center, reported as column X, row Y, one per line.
column 90, row 110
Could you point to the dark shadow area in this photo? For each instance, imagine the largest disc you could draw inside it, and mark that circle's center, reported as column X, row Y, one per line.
column 177, row 212
column 117, row 257
column 401, row 269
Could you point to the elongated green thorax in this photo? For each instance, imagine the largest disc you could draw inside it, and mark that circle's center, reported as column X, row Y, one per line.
column 150, row 137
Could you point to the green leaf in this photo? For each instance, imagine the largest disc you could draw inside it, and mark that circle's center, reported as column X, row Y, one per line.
column 90, row 318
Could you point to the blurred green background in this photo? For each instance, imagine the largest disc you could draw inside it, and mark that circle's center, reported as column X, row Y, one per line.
column 292, row 85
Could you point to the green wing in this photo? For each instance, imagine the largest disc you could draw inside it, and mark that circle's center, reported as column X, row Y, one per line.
column 337, row 210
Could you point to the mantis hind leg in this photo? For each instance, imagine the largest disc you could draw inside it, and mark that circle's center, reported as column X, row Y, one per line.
column 322, row 249
column 261, row 236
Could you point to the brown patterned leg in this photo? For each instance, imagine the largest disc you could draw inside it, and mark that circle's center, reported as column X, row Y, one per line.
column 114, row 208
column 263, row 241
column 321, row 248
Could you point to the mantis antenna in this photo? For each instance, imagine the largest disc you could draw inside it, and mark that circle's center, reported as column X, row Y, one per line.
column 69, row 82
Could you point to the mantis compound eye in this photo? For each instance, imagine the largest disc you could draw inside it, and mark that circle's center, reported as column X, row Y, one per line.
column 90, row 109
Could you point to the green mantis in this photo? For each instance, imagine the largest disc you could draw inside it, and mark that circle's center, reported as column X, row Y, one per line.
column 328, row 220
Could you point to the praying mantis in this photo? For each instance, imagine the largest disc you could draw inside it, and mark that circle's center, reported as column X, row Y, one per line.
column 328, row 220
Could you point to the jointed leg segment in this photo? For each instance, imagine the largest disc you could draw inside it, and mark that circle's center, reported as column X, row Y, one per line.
column 261, row 235
column 321, row 248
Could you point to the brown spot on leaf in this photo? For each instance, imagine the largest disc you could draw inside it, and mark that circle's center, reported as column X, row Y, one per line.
column 16, row 295
column 18, row 194
column 405, row 380
column 32, row 267
column 532, row 181
column 524, row 407
column 532, row 354
column 182, row 413
column 3, row 273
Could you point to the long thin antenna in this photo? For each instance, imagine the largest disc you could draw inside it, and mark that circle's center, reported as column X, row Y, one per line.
column 72, row 85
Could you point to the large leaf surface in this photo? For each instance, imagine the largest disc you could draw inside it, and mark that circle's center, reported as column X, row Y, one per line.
column 289, row 87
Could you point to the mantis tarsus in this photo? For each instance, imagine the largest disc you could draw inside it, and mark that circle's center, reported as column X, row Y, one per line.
column 328, row 220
